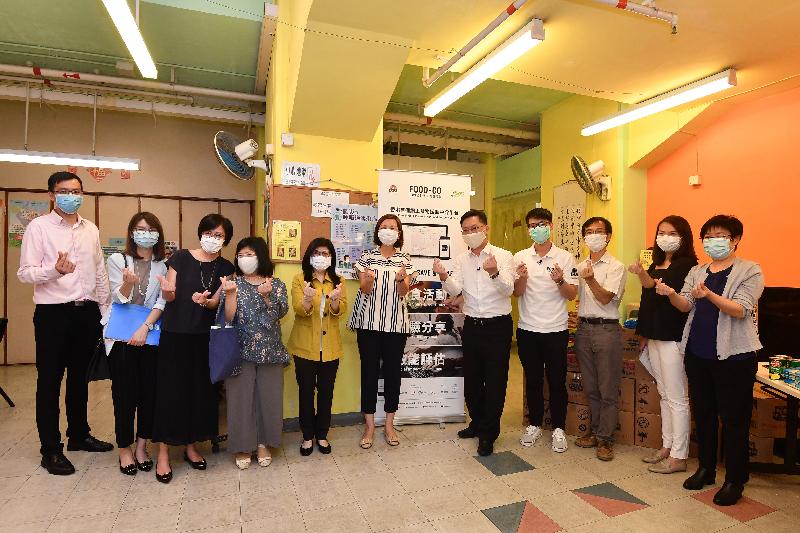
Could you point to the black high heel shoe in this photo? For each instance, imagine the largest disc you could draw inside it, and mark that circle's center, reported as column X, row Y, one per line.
column 144, row 466
column 129, row 470
column 197, row 465
column 164, row 478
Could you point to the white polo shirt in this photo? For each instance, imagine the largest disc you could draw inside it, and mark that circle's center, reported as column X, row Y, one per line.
column 542, row 308
column 610, row 274
column 484, row 297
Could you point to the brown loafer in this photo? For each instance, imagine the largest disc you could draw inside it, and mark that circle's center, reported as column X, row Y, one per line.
column 656, row 457
column 587, row 441
column 605, row 450
column 668, row 466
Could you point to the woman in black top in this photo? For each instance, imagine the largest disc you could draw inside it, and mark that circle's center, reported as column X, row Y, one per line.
column 186, row 401
column 661, row 326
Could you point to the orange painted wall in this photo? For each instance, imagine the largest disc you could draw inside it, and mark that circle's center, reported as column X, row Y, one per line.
column 749, row 162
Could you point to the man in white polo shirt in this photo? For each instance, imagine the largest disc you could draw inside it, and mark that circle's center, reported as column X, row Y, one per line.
column 547, row 278
column 598, row 341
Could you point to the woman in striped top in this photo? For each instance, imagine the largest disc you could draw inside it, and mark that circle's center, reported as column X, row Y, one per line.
column 380, row 319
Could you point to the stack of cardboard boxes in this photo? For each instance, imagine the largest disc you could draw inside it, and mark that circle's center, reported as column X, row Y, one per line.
column 768, row 422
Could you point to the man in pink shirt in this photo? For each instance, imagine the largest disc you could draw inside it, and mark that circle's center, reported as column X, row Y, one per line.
column 61, row 256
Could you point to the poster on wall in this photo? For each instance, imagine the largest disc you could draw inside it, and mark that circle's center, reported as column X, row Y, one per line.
column 569, row 213
column 352, row 229
column 322, row 200
column 429, row 205
column 20, row 213
column 432, row 372
column 286, row 240
column 303, row 174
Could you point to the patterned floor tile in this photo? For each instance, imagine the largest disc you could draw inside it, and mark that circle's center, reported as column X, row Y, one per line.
column 745, row 509
column 610, row 499
column 504, row 463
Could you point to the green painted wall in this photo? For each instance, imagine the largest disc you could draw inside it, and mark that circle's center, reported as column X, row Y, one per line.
column 519, row 173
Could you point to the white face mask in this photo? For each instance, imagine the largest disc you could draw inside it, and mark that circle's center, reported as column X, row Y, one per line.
column 388, row 236
column 595, row 241
column 668, row 243
column 473, row 240
column 210, row 245
column 248, row 264
column 320, row 262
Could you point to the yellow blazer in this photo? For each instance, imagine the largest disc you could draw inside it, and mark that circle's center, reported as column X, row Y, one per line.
column 304, row 338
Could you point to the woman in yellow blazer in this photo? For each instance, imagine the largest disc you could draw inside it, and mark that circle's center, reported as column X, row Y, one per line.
column 318, row 298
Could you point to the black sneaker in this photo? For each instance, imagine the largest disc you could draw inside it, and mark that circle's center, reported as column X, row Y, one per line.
column 57, row 464
column 467, row 433
column 89, row 444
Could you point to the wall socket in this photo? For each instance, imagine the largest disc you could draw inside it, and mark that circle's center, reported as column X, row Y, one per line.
column 694, row 180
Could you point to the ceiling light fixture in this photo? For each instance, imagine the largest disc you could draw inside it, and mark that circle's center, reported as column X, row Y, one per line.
column 694, row 91
column 129, row 31
column 72, row 160
column 526, row 38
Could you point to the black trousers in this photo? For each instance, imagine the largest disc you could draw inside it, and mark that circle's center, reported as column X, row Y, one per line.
column 133, row 390
column 66, row 336
column 487, row 348
column 319, row 375
column 722, row 389
column 540, row 354
column 381, row 356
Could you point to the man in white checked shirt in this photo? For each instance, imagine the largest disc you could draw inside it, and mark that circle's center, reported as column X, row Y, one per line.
column 484, row 275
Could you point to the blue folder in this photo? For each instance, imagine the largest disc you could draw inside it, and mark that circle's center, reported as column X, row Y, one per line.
column 126, row 319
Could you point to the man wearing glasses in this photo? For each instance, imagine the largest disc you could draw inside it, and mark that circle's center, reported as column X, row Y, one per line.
column 61, row 257
column 484, row 275
column 547, row 278
column 598, row 341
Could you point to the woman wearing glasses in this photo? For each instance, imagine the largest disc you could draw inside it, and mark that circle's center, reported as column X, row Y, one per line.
column 318, row 300
column 186, row 401
column 720, row 340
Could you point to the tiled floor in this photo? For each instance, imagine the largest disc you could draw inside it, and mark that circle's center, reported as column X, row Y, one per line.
column 432, row 482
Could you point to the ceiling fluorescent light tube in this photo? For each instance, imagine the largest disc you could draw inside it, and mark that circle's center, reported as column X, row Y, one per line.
column 129, row 31
column 70, row 160
column 526, row 38
column 681, row 95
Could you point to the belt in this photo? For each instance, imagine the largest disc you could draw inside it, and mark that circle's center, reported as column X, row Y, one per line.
column 76, row 303
column 592, row 320
column 487, row 321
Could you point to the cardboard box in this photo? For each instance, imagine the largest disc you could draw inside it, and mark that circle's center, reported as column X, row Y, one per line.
column 761, row 449
column 627, row 395
column 641, row 373
column 647, row 430
column 647, row 398
column 572, row 361
column 629, row 368
column 624, row 433
column 578, row 420
column 631, row 344
column 769, row 415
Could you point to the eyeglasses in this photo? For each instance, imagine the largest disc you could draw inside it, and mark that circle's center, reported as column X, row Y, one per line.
column 74, row 192
column 472, row 229
column 321, row 254
column 539, row 224
column 214, row 235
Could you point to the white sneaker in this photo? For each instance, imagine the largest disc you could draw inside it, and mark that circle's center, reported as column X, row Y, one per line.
column 559, row 441
column 531, row 435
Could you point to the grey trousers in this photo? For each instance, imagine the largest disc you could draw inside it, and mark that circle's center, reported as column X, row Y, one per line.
column 599, row 351
column 255, row 407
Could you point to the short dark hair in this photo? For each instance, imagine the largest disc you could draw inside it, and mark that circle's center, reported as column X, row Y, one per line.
column 728, row 222
column 259, row 246
column 376, row 240
column 540, row 213
column 592, row 220
column 153, row 222
column 213, row 221
column 58, row 177
column 686, row 248
column 475, row 213
column 305, row 264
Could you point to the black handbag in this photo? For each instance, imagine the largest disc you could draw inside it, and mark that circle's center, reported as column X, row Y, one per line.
column 98, row 368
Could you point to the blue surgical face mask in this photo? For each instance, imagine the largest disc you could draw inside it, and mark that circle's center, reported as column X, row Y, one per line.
column 717, row 247
column 540, row 234
column 69, row 203
column 144, row 238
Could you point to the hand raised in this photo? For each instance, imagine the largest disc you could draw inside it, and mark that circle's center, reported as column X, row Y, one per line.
column 401, row 274
column 636, row 268
column 556, row 274
column 587, row 272
column 129, row 277
column 662, row 288
column 490, row 265
column 438, row 268
column 265, row 288
column 228, row 285
column 309, row 292
column 522, row 271
column 201, row 298
column 701, row 291
column 336, row 293
column 166, row 285
column 63, row 265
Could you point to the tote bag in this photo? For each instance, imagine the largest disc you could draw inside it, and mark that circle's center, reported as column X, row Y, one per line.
column 223, row 348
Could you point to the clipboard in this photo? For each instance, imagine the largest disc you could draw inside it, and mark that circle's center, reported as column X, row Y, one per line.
column 125, row 319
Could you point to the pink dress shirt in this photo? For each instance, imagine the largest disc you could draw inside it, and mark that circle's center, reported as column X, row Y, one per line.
column 47, row 235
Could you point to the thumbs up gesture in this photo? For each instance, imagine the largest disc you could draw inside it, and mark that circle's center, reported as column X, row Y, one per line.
column 309, row 292
column 336, row 293
column 201, row 298
column 228, row 285
column 129, row 277
column 63, row 265
column 490, row 265
column 265, row 288
column 587, row 272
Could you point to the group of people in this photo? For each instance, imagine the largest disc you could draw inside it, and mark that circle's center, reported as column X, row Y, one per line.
column 702, row 311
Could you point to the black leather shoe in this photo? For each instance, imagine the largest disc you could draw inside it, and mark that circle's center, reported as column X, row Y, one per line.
column 324, row 449
column 197, row 465
column 129, row 470
column 305, row 452
column 467, row 433
column 164, row 478
column 89, row 444
column 57, row 464
column 485, row 447
column 700, row 479
column 144, row 466
column 729, row 494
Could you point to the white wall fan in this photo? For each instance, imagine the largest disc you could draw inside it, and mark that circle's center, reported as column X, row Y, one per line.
column 237, row 156
column 592, row 178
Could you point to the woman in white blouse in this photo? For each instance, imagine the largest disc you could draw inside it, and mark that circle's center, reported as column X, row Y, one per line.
column 380, row 319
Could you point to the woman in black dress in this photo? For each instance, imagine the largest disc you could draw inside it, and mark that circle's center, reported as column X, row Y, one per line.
column 186, row 401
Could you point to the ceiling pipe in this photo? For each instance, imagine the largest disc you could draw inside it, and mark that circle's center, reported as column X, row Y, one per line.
column 648, row 11
column 439, row 142
column 126, row 82
column 401, row 118
column 427, row 82
column 88, row 89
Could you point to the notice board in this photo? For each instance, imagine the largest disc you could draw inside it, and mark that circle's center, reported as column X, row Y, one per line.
column 290, row 202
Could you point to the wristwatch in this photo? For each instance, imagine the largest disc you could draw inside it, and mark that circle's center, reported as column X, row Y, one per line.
column 149, row 326
column 560, row 282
